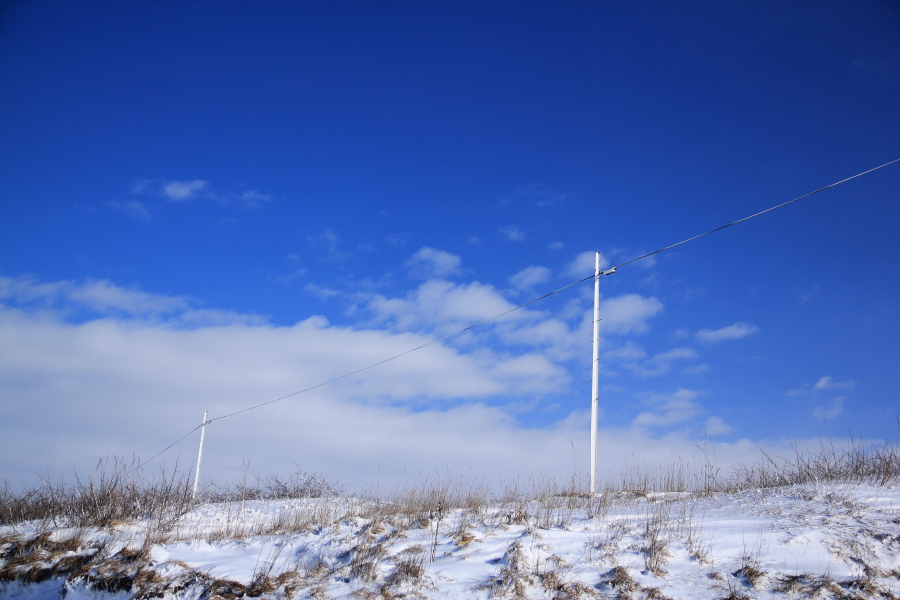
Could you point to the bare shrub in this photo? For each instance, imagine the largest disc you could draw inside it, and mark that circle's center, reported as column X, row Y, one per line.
column 116, row 492
column 298, row 484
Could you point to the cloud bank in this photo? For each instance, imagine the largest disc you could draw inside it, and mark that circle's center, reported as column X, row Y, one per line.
column 92, row 369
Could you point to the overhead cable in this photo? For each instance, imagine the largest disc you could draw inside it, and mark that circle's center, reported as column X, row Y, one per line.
column 756, row 215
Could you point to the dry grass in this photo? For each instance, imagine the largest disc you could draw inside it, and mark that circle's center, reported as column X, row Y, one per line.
column 116, row 492
column 656, row 543
column 119, row 495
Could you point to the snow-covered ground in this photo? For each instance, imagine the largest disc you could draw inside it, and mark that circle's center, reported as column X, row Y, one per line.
column 810, row 541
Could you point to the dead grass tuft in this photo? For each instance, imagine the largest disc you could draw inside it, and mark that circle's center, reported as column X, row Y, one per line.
column 735, row 594
column 620, row 580
column 409, row 569
column 656, row 543
column 750, row 574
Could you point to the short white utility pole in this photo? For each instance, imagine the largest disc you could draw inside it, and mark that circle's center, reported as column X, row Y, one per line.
column 595, row 373
column 199, row 457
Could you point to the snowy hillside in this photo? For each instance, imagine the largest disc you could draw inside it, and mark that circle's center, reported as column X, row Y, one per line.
column 829, row 540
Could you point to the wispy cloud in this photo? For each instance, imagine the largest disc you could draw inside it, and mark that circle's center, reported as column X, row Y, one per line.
column 429, row 263
column 670, row 409
column 830, row 411
column 320, row 291
column 824, row 383
column 731, row 332
column 661, row 363
column 133, row 208
column 182, row 191
column 103, row 298
column 828, row 383
column 513, row 233
column 97, row 295
column 200, row 189
column 552, row 201
column 529, row 277
column 532, row 189
column 249, row 199
column 144, row 193
column 628, row 313
column 715, row 426
column 583, row 264
column 808, row 294
column 328, row 240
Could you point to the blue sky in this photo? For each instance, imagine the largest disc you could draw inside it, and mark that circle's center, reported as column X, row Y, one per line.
column 204, row 206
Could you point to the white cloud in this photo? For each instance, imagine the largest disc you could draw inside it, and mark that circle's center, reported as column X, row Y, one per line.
column 397, row 241
column 120, row 383
column 628, row 313
column 133, row 208
column 828, row 383
column 320, row 291
column 529, row 277
column 629, row 351
column 251, row 199
column 731, row 332
column 429, row 263
column 583, row 264
column 670, row 409
column 661, row 363
column 444, row 306
column 512, row 233
column 100, row 296
column 104, row 296
column 715, row 426
column 553, row 201
column 824, row 383
column 119, row 386
column 831, row 411
column 109, row 300
column 188, row 191
column 328, row 240
column 184, row 190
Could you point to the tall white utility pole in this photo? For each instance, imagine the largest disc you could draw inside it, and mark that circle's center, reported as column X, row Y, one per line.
column 199, row 456
column 595, row 374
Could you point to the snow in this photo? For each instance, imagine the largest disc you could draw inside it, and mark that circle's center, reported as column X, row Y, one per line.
column 683, row 547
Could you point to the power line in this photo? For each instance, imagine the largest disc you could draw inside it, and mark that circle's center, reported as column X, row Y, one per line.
column 757, row 214
column 606, row 272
